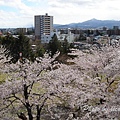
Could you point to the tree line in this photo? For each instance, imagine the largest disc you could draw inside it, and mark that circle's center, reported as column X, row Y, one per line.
column 20, row 46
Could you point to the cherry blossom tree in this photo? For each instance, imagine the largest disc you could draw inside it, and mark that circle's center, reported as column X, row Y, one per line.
column 44, row 89
column 3, row 59
column 20, row 88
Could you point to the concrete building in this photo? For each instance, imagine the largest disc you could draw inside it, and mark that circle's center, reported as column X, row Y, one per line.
column 115, row 27
column 69, row 36
column 43, row 25
column 21, row 30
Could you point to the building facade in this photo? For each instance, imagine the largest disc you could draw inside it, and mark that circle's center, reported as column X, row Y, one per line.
column 21, row 30
column 43, row 25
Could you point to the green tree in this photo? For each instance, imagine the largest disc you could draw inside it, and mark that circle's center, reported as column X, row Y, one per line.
column 82, row 37
column 76, row 39
column 54, row 45
column 65, row 46
column 16, row 45
column 1, row 40
column 40, row 51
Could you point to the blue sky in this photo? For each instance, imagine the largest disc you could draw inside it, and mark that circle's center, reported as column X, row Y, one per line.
column 20, row 13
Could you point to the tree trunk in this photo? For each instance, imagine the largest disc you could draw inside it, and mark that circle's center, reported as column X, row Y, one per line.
column 38, row 113
column 39, row 109
column 22, row 116
column 29, row 113
column 27, row 104
column 30, row 116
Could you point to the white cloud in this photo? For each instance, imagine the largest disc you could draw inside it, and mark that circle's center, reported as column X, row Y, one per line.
column 80, row 10
column 64, row 11
column 35, row 0
column 20, row 18
column 11, row 19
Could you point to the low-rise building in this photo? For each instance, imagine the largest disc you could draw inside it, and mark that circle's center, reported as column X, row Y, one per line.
column 21, row 30
column 69, row 36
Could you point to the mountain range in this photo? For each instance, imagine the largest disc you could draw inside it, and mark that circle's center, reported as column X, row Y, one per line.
column 93, row 23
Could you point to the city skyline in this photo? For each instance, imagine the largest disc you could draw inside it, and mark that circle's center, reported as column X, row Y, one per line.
column 20, row 13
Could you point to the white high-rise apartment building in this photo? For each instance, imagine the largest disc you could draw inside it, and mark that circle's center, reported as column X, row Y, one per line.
column 43, row 25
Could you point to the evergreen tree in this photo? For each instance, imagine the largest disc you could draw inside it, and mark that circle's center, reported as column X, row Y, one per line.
column 65, row 46
column 82, row 37
column 40, row 51
column 54, row 45
column 15, row 46
column 1, row 40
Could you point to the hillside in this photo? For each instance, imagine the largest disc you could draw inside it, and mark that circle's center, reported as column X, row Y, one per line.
column 93, row 23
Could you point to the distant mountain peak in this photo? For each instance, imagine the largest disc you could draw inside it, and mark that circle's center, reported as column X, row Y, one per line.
column 93, row 19
column 92, row 23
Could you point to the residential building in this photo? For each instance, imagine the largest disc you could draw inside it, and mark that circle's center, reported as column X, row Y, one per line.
column 115, row 27
column 68, row 35
column 43, row 25
column 21, row 30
